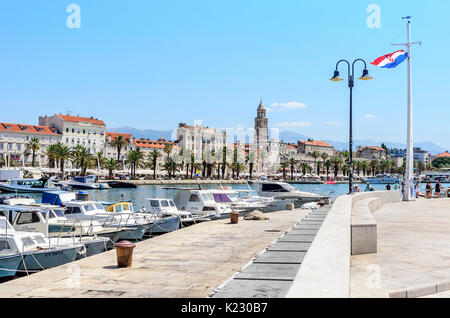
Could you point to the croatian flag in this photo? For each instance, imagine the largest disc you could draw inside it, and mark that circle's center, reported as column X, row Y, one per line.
column 391, row 60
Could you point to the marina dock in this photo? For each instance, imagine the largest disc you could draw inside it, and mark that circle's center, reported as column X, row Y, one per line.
column 190, row 262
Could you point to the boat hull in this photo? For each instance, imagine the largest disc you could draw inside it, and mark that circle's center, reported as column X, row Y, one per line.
column 113, row 238
column 9, row 265
column 8, row 188
column 165, row 225
column 45, row 259
column 96, row 246
column 135, row 232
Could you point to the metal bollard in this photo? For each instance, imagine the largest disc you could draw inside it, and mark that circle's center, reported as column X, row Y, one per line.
column 234, row 217
column 124, row 251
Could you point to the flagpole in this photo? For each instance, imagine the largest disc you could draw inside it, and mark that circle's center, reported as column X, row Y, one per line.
column 409, row 182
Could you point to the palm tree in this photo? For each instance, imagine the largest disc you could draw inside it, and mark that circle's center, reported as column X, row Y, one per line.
column 250, row 161
column 336, row 162
column 315, row 154
column 373, row 165
column 111, row 165
column 305, row 167
column 119, row 142
column 420, row 167
column 170, row 166
column 153, row 158
column 324, row 157
column 62, row 154
column 364, row 167
column 99, row 160
column 284, row 166
column 51, row 153
column 134, row 160
column 34, row 145
column 345, row 169
column 224, row 161
column 327, row 165
column 82, row 158
column 292, row 162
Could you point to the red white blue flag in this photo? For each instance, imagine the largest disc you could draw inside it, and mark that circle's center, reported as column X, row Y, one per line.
column 391, row 60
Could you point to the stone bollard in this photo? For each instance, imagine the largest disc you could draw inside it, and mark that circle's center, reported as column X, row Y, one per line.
column 234, row 217
column 124, row 251
column 290, row 206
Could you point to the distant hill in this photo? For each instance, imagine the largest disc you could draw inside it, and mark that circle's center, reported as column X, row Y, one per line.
column 288, row 137
column 144, row 134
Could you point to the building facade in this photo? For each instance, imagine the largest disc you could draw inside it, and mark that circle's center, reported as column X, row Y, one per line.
column 88, row 132
column 371, row 152
column 198, row 139
column 309, row 146
column 110, row 151
column 15, row 138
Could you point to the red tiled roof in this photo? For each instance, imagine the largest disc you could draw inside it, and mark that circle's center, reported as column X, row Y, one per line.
column 77, row 119
column 144, row 143
column 443, row 155
column 28, row 129
column 317, row 143
column 114, row 135
column 374, row 148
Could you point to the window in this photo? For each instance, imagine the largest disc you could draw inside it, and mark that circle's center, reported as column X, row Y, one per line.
column 4, row 245
column 273, row 188
column 73, row 210
column 164, row 203
column 154, row 203
column 98, row 206
column 27, row 218
column 194, row 198
column 118, row 208
column 67, row 129
column 89, row 207
column 73, row 130
column 171, row 203
column 58, row 212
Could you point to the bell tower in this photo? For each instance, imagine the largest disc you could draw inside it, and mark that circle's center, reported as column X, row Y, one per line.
column 261, row 127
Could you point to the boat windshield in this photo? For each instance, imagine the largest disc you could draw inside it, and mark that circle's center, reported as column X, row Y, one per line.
column 58, row 212
column 221, row 197
column 154, row 203
column 207, row 196
column 289, row 187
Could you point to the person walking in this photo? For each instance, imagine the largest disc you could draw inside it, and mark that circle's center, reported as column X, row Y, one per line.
column 437, row 189
column 388, row 187
column 428, row 190
column 417, row 189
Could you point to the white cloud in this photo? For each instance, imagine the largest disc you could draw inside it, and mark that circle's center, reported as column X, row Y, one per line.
column 286, row 106
column 294, row 124
column 333, row 123
column 370, row 116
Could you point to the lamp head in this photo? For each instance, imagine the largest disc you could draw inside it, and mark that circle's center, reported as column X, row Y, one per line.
column 365, row 76
column 336, row 77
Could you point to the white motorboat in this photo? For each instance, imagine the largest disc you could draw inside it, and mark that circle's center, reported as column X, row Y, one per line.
column 200, row 203
column 29, row 185
column 85, row 183
column 166, row 207
column 36, row 251
column 285, row 191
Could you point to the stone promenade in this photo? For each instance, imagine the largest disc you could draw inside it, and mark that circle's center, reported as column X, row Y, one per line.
column 190, row 262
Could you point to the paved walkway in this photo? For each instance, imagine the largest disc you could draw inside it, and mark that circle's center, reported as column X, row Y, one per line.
column 413, row 249
column 270, row 274
column 190, row 262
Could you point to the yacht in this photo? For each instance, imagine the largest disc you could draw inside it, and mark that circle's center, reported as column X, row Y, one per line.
column 50, row 221
column 29, row 185
column 36, row 251
column 382, row 179
column 164, row 208
column 200, row 203
column 85, row 183
column 285, row 191
column 157, row 223
column 133, row 226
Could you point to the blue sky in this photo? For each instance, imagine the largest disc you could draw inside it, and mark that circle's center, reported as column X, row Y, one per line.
column 152, row 64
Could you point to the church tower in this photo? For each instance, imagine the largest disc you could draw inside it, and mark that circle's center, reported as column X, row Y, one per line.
column 261, row 127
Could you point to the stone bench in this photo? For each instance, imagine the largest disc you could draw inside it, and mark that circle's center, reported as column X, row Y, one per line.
column 364, row 226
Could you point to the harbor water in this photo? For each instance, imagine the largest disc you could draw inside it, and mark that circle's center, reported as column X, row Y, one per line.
column 138, row 195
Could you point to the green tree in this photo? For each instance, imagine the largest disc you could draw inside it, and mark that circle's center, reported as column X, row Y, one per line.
column 34, row 145
column 134, row 160
column 292, row 163
column 153, row 160
column 336, row 162
column 111, row 165
column 51, row 151
column 284, row 166
column 119, row 143
column 315, row 154
column 62, row 154
column 81, row 158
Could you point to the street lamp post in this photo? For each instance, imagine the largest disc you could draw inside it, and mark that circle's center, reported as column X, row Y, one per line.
column 337, row 78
